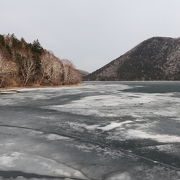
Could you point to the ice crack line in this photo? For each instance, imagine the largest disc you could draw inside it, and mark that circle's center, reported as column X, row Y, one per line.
column 126, row 152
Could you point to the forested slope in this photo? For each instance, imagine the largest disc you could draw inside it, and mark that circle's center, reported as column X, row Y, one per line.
column 29, row 64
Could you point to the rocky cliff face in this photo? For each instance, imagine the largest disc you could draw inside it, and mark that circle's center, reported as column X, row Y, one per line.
column 157, row 58
column 26, row 64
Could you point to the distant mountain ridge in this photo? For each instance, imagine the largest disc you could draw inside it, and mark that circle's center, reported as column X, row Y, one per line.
column 157, row 58
column 83, row 73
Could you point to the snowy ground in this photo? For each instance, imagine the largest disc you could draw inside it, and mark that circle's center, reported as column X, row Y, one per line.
column 103, row 130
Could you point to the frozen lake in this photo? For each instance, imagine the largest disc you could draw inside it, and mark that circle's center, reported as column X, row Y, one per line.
column 101, row 130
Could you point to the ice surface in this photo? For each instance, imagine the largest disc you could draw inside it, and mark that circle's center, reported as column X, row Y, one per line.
column 102, row 130
column 36, row 164
column 116, row 105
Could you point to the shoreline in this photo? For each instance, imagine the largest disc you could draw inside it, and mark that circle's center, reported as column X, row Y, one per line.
column 19, row 88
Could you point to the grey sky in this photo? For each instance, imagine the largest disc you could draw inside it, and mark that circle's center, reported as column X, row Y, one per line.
column 91, row 33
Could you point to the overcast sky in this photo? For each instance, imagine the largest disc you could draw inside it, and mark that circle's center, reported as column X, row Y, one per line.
column 90, row 33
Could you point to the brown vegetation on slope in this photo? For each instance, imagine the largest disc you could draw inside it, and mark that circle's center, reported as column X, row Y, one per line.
column 26, row 64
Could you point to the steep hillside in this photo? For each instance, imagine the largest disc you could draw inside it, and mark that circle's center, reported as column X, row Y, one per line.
column 28, row 64
column 157, row 58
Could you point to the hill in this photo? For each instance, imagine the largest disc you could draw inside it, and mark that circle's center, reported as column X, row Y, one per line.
column 157, row 58
column 29, row 64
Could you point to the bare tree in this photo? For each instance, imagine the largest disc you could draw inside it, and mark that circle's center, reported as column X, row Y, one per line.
column 67, row 62
column 71, row 75
column 45, row 67
column 27, row 69
column 8, row 71
column 51, row 69
column 2, row 75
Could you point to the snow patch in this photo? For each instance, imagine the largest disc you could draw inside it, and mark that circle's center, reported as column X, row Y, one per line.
column 120, row 176
column 164, row 138
column 113, row 125
column 54, row 137
column 30, row 163
column 8, row 160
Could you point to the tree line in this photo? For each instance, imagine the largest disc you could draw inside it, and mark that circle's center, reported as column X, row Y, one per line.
column 27, row 64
